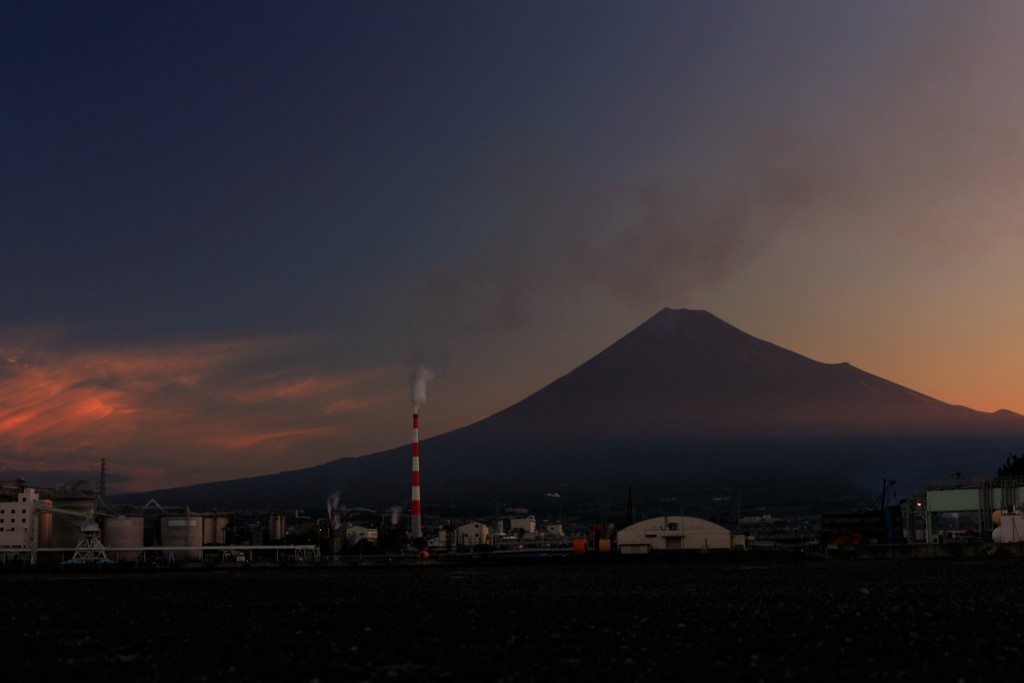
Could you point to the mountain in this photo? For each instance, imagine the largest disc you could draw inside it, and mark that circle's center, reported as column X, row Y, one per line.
column 683, row 406
column 686, row 373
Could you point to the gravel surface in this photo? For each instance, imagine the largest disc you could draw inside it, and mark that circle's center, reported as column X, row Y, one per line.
column 923, row 620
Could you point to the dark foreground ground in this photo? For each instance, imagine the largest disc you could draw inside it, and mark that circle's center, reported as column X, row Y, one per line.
column 923, row 620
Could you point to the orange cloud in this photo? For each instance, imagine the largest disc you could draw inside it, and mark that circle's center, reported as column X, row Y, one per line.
column 175, row 411
column 256, row 438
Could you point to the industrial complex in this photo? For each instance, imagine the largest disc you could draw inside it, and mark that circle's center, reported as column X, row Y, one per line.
column 71, row 524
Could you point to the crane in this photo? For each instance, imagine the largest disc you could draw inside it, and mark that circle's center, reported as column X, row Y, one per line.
column 90, row 549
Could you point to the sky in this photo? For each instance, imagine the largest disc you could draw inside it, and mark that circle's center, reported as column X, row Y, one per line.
column 232, row 231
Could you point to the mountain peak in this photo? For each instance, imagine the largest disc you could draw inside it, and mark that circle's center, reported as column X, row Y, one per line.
column 675, row 316
column 670, row 322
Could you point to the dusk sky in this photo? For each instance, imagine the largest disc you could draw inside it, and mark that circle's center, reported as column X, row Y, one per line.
column 230, row 230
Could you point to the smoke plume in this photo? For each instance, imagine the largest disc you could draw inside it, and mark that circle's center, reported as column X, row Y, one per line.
column 420, row 377
column 427, row 365
column 711, row 188
column 335, row 509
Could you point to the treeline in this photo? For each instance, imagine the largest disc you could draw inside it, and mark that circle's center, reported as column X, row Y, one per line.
column 1012, row 468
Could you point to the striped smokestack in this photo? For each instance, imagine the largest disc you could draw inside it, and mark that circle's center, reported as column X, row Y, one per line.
column 417, row 523
column 420, row 377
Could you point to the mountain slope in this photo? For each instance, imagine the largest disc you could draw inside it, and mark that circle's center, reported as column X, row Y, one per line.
column 687, row 373
column 683, row 403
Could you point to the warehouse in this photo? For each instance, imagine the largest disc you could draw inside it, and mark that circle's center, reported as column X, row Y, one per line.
column 673, row 533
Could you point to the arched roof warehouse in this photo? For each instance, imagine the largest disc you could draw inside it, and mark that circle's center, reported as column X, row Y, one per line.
column 673, row 533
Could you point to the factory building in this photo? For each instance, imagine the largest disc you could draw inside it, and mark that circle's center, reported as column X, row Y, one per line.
column 22, row 528
column 521, row 525
column 554, row 529
column 974, row 505
column 354, row 534
column 472, row 534
column 673, row 533
column 445, row 538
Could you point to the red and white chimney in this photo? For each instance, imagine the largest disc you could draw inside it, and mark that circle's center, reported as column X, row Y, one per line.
column 417, row 522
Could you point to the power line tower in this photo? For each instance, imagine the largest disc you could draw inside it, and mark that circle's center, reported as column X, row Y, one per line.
column 103, row 478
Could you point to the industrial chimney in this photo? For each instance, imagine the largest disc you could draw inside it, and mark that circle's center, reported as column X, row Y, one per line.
column 417, row 523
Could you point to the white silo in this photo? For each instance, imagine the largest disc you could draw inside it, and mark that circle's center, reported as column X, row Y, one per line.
column 185, row 531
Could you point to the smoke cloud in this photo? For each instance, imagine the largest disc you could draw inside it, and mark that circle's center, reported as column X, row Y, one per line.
column 428, row 365
column 335, row 509
column 396, row 514
column 420, row 377
column 775, row 154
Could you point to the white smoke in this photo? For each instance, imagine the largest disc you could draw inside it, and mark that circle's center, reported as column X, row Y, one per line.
column 427, row 365
column 335, row 509
column 396, row 514
column 420, row 377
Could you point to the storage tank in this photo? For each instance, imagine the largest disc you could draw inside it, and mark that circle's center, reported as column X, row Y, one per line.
column 124, row 532
column 215, row 529
column 275, row 528
column 182, row 532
